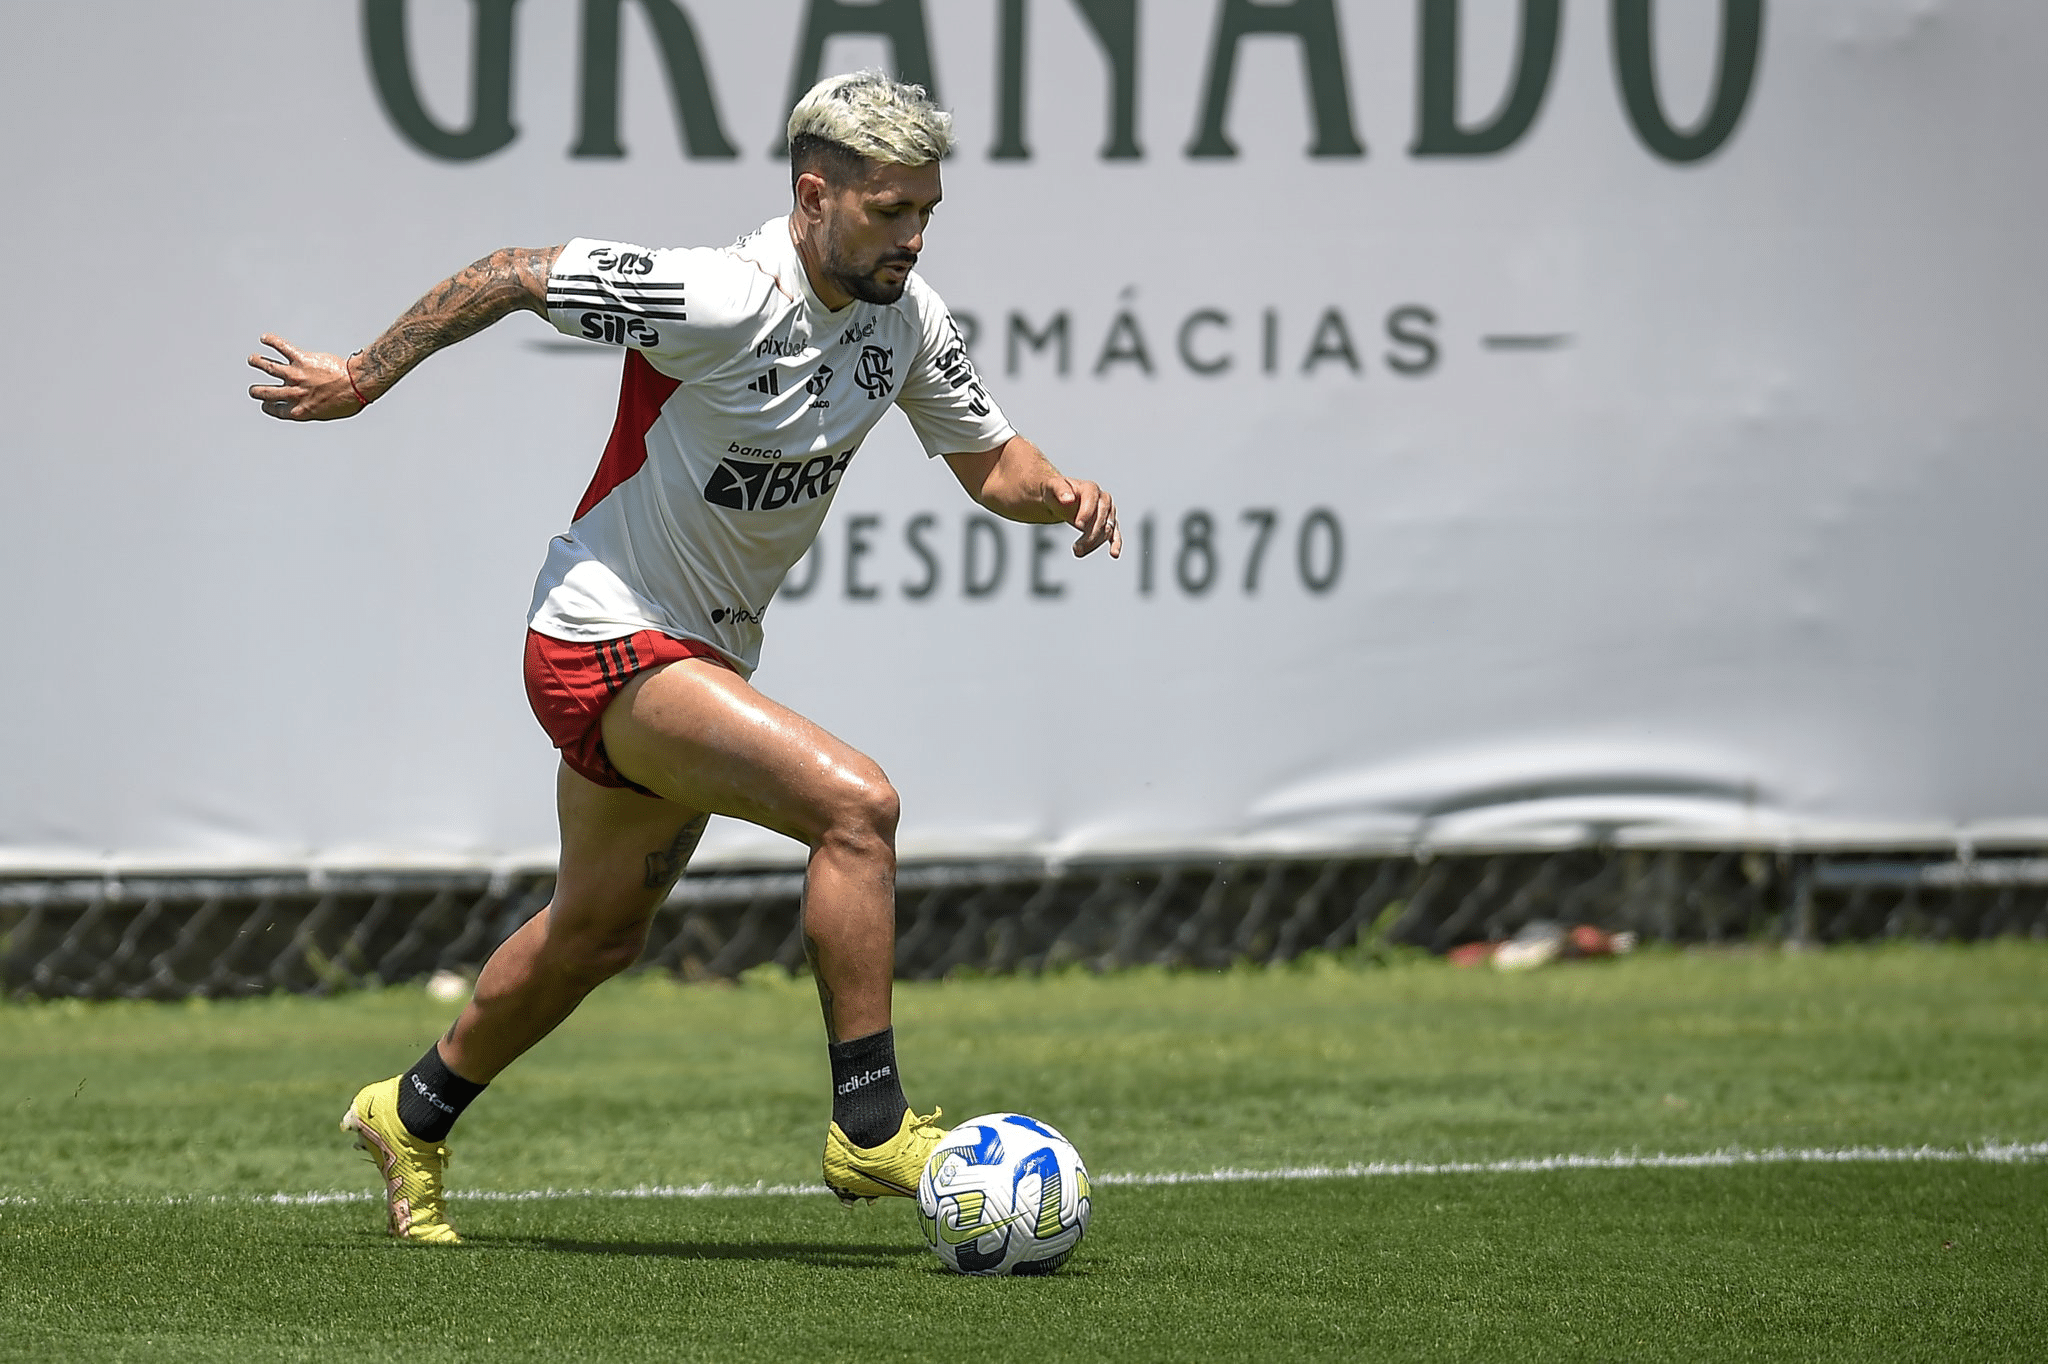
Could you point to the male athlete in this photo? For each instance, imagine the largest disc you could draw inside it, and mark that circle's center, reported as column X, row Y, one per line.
column 752, row 374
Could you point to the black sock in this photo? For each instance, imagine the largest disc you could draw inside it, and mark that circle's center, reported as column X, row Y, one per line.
column 431, row 1096
column 867, row 1096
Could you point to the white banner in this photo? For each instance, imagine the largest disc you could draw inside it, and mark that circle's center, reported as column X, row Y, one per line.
column 1534, row 422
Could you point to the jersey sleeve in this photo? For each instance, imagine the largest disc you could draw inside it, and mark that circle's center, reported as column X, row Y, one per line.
column 943, row 394
column 624, row 295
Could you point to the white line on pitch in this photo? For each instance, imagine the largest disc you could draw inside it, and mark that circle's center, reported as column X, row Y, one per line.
column 1989, row 1153
column 2001, row 1153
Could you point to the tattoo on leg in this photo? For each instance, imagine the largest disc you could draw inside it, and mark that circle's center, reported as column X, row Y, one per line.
column 666, row 864
column 824, row 990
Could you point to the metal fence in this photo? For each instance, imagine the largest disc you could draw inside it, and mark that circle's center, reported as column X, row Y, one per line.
column 223, row 935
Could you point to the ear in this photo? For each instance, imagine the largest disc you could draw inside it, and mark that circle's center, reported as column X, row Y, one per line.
column 811, row 193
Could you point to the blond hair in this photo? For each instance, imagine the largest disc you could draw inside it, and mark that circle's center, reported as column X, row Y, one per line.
column 874, row 117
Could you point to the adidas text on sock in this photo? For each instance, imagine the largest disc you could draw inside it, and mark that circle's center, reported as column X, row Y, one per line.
column 867, row 1094
column 431, row 1096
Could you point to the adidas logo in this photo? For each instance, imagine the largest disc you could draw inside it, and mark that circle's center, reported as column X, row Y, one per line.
column 769, row 383
column 420, row 1088
column 864, row 1079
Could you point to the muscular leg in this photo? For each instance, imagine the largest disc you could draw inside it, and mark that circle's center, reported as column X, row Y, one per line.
column 706, row 741
column 620, row 853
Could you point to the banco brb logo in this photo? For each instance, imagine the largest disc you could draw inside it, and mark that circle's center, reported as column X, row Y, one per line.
column 1311, row 25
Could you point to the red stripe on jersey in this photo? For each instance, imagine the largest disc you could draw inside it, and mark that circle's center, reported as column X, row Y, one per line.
column 643, row 390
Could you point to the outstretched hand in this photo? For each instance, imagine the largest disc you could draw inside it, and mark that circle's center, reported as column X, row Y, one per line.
column 1090, row 510
column 311, row 386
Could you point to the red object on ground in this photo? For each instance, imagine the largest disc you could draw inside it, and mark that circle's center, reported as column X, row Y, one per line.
column 1588, row 941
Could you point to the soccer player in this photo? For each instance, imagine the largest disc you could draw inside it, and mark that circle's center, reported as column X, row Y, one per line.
column 752, row 374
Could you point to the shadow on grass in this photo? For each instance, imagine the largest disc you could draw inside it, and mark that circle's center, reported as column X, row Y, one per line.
column 819, row 1254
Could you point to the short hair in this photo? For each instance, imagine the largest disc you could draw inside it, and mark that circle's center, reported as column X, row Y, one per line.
column 848, row 120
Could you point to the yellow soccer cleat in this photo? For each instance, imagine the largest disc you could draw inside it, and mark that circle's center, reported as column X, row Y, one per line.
column 411, row 1167
column 890, row 1170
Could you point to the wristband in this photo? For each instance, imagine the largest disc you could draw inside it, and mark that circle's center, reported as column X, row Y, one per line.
column 350, row 375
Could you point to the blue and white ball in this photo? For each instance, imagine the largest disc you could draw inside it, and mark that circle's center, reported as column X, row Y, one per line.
column 1003, row 1194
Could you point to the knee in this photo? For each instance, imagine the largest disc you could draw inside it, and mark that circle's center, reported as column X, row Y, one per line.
column 863, row 814
column 594, row 955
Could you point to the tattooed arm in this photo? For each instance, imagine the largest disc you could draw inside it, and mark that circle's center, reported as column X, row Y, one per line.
column 313, row 386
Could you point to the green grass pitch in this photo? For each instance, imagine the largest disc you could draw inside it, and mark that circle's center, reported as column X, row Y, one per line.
column 134, row 1137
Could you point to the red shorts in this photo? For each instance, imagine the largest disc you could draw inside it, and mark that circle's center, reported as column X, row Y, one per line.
column 569, row 683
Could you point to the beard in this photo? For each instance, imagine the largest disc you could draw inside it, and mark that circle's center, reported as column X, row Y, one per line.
column 864, row 281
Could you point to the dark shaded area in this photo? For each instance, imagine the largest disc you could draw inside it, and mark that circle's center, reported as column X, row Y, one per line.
column 169, row 937
column 821, row 1254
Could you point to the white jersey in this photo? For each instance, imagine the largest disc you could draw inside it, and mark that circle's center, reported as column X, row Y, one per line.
column 744, row 399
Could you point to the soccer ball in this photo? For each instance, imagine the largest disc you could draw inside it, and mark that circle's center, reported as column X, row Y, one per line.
column 1003, row 1194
